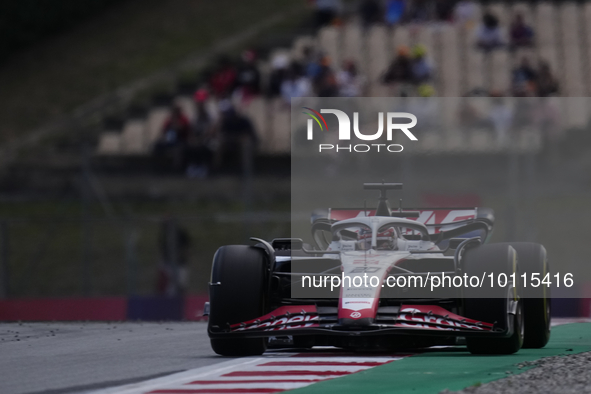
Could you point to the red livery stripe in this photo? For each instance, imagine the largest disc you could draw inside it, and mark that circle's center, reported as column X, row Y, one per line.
column 221, row 391
column 323, row 363
column 256, row 381
column 357, row 355
column 287, row 373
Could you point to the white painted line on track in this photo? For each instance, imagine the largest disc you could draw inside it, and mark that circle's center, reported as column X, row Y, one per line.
column 275, row 372
column 178, row 378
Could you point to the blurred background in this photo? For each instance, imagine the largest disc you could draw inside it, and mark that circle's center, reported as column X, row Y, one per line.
column 137, row 136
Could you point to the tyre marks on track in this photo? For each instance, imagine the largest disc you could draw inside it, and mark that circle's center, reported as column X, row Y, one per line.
column 273, row 373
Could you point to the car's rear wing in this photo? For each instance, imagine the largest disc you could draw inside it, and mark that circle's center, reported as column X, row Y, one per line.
column 442, row 223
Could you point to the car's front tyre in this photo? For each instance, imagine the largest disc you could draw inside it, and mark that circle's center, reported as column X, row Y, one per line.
column 237, row 294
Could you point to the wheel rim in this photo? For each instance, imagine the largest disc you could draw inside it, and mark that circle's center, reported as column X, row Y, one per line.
column 518, row 319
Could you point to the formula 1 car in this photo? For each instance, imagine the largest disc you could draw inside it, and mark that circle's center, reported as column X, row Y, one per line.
column 257, row 295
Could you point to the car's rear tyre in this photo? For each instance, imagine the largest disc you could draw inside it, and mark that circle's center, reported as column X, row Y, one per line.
column 492, row 305
column 237, row 294
column 536, row 300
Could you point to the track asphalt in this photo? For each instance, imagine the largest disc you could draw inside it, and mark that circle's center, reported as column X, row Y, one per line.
column 52, row 358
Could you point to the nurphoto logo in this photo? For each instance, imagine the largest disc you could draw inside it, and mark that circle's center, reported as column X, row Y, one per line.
column 345, row 130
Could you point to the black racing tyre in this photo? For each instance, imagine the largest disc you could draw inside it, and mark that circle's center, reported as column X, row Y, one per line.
column 536, row 301
column 492, row 305
column 240, row 296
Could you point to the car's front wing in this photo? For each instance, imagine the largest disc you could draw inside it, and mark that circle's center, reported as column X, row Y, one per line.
column 427, row 320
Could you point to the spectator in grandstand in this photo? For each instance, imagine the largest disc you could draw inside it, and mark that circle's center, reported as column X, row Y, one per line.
column 350, row 82
column 205, row 108
column 236, row 135
column 489, row 35
column 248, row 77
column 279, row 70
column 201, row 143
column 311, row 63
column 206, row 114
column 400, row 70
column 395, row 10
column 170, row 149
column 520, row 34
column 524, row 79
column 371, row 12
column 426, row 90
column 422, row 69
column 325, row 82
column 223, row 79
column 326, row 11
column 296, row 84
column 176, row 127
column 546, row 82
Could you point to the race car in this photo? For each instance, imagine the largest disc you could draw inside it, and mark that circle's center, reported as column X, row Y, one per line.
column 273, row 292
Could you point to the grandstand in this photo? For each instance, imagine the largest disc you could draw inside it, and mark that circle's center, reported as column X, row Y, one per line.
column 562, row 39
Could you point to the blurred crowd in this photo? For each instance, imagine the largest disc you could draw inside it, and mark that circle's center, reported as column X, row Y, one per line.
column 315, row 75
column 218, row 133
column 220, row 130
column 533, row 81
column 415, row 66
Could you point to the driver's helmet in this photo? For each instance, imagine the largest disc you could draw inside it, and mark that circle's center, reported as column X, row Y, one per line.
column 387, row 239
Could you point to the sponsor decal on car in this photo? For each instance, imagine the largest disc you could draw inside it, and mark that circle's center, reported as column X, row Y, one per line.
column 410, row 316
column 433, row 317
column 284, row 323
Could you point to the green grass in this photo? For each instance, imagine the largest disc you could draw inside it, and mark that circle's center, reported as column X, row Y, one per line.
column 125, row 43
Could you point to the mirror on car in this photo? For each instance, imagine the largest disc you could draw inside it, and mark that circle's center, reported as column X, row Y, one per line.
column 349, row 235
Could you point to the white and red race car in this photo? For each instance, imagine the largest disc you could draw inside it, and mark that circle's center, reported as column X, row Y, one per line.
column 380, row 279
